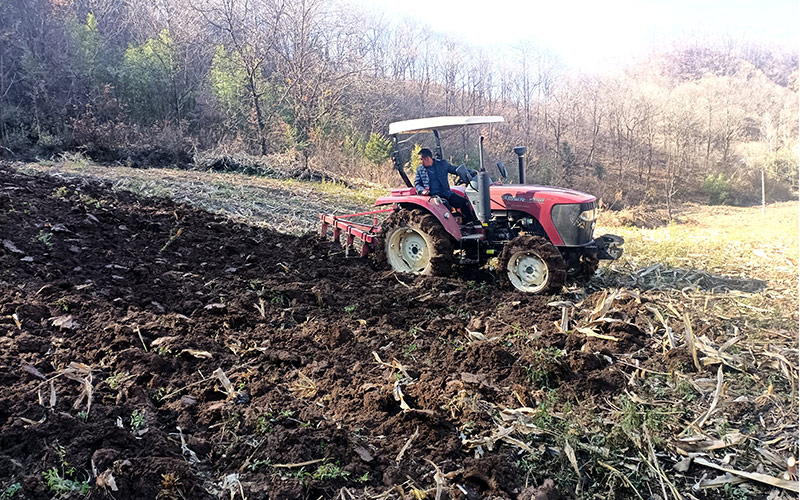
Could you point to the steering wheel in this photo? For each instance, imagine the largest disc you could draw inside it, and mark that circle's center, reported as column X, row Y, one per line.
column 464, row 176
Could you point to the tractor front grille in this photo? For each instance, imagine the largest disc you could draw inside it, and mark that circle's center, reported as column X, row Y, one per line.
column 567, row 220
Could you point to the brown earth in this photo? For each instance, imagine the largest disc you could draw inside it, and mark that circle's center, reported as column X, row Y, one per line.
column 137, row 302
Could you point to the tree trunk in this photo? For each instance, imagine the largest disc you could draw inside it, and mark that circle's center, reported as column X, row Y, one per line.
column 262, row 139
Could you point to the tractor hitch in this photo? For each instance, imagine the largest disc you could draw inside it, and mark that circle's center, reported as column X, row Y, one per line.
column 609, row 246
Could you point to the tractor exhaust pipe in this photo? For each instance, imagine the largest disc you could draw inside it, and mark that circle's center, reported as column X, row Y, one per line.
column 520, row 152
column 483, row 190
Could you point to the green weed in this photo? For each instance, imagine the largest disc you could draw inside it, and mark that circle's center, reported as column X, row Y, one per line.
column 173, row 235
column 259, row 464
column 633, row 417
column 138, row 421
column 541, row 364
column 232, row 423
column 329, row 471
column 732, row 492
column 162, row 350
column 75, row 158
column 266, row 422
column 63, row 304
column 480, row 287
column 301, row 475
column 46, row 238
column 114, row 381
column 457, row 343
column 61, row 480
column 408, row 351
column 60, row 193
column 519, row 332
column 89, row 202
column 61, row 485
column 158, row 396
column 544, row 416
column 686, row 391
column 10, row 491
column 541, row 465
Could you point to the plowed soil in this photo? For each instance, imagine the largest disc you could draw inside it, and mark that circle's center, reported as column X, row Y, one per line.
column 148, row 309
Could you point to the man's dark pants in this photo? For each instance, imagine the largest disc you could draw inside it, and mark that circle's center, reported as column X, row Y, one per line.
column 464, row 206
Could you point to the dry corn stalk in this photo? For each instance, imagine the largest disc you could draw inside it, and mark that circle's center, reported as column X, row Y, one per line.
column 573, row 460
column 700, row 443
column 500, row 434
column 690, row 340
column 304, row 386
column 226, row 383
column 665, row 323
column 753, row 476
column 407, row 445
column 395, row 365
column 398, row 396
column 82, row 373
column 197, row 354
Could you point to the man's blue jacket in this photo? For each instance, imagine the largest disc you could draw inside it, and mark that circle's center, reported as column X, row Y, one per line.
column 434, row 178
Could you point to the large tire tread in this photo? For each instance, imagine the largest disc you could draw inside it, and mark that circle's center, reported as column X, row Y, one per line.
column 441, row 261
column 557, row 275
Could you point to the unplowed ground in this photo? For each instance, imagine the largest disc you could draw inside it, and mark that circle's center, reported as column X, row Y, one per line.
column 158, row 351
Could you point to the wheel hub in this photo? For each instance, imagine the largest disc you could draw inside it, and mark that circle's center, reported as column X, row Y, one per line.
column 528, row 272
column 413, row 247
column 408, row 251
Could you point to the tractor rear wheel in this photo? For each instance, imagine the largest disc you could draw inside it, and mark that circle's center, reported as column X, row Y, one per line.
column 414, row 242
column 532, row 264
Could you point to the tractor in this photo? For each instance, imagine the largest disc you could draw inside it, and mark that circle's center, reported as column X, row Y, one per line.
column 538, row 234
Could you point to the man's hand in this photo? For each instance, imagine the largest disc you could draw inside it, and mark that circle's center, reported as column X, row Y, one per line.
column 425, row 192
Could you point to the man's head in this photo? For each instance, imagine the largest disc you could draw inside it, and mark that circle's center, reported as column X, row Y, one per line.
column 426, row 157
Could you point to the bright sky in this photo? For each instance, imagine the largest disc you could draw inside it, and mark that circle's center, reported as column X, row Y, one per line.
column 590, row 34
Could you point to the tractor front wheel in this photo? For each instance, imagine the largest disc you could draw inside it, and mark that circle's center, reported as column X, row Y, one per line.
column 532, row 264
column 414, row 242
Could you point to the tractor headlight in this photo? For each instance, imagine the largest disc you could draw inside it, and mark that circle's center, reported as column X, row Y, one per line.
column 589, row 215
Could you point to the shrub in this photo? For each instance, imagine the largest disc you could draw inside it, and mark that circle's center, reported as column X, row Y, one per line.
column 718, row 188
column 599, row 170
column 377, row 149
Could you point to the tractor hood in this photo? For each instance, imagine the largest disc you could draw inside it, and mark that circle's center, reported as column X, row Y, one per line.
column 558, row 210
column 517, row 195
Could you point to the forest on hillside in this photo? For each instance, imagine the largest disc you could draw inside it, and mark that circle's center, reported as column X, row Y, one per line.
column 175, row 82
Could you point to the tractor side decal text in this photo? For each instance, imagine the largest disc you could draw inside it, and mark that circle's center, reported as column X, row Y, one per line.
column 522, row 199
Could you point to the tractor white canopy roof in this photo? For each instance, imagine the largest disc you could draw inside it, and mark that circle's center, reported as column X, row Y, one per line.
column 439, row 123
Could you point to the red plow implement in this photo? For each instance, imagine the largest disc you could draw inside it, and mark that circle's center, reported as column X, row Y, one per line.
column 343, row 224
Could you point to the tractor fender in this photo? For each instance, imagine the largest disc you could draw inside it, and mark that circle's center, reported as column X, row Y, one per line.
column 429, row 204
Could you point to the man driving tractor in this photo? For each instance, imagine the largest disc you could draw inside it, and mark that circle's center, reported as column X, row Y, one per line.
column 431, row 180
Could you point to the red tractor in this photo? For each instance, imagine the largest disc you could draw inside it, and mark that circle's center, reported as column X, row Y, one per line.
column 538, row 234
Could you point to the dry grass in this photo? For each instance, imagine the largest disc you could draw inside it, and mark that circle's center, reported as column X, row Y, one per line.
column 287, row 205
column 736, row 252
column 726, row 240
column 730, row 273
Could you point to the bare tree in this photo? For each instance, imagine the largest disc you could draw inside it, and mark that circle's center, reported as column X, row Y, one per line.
column 250, row 28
